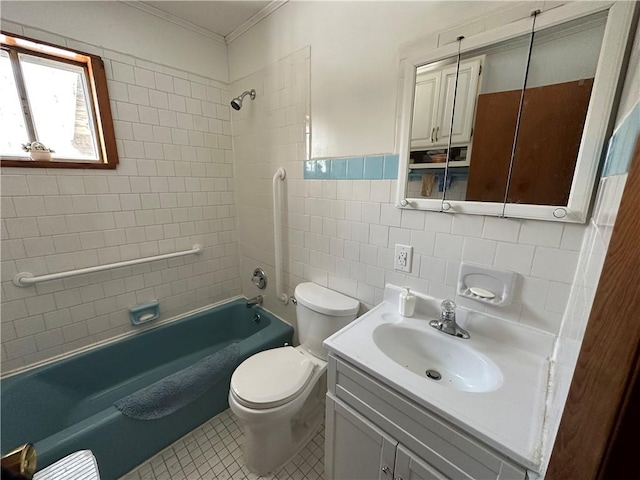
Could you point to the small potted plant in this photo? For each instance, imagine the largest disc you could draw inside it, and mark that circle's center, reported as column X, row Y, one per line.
column 37, row 150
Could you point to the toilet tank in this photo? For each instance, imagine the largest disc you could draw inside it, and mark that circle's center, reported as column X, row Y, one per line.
column 320, row 313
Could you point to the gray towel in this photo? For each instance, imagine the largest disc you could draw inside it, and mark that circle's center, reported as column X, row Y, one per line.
column 170, row 394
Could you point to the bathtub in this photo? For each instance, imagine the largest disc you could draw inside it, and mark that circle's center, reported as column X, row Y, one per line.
column 67, row 406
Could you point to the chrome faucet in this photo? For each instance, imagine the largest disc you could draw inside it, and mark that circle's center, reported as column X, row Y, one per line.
column 257, row 300
column 447, row 323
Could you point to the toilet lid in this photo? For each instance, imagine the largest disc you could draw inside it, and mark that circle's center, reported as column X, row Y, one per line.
column 325, row 301
column 271, row 378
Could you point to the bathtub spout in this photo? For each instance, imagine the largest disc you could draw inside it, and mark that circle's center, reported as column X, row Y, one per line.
column 257, row 300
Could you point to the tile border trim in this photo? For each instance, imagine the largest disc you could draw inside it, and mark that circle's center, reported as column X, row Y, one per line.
column 366, row 167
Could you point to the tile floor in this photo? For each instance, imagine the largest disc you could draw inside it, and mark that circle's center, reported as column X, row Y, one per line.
column 213, row 451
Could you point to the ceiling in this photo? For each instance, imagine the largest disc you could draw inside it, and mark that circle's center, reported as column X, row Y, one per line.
column 218, row 17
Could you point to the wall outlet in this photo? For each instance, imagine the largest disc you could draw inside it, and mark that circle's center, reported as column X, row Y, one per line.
column 403, row 258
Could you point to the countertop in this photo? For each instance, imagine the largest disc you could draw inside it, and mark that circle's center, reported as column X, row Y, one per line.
column 510, row 418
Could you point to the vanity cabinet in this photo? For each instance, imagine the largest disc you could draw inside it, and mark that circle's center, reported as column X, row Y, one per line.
column 433, row 105
column 373, row 432
column 361, row 451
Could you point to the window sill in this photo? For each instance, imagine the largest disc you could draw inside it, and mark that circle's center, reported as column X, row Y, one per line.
column 25, row 162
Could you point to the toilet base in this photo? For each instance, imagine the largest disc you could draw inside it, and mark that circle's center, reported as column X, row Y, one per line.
column 268, row 452
column 271, row 441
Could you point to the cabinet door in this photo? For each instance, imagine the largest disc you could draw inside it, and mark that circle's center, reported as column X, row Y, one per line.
column 425, row 110
column 355, row 449
column 410, row 467
column 467, row 90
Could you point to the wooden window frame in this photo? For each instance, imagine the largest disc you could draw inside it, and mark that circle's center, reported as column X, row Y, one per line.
column 99, row 105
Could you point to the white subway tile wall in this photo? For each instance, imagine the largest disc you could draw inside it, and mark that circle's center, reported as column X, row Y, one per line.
column 342, row 233
column 173, row 188
column 577, row 299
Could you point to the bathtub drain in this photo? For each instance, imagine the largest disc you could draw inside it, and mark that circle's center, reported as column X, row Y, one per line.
column 433, row 374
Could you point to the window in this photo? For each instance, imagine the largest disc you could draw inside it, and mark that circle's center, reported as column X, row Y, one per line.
column 55, row 100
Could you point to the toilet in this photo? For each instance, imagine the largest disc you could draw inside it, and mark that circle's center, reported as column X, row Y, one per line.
column 278, row 395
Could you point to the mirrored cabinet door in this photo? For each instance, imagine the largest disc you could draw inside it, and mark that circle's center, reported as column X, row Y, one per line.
column 559, row 84
column 432, row 131
column 496, row 116
column 465, row 99
column 512, row 122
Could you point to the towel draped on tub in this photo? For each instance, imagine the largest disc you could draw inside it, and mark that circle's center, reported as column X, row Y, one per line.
column 171, row 393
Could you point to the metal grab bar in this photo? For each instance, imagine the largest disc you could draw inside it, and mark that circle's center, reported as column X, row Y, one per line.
column 278, row 178
column 25, row 279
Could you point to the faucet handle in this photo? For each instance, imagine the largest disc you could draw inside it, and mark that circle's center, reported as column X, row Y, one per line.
column 448, row 306
column 448, row 309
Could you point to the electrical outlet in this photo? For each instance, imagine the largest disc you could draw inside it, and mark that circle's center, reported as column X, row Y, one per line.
column 403, row 258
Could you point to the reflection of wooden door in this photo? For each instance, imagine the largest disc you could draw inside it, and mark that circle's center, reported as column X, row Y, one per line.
column 549, row 138
column 495, row 126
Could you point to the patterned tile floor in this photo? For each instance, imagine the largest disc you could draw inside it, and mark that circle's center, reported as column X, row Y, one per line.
column 213, row 451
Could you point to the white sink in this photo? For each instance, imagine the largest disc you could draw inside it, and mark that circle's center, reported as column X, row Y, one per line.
column 493, row 384
column 436, row 358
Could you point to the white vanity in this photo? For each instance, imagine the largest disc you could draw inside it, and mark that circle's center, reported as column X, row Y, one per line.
column 390, row 417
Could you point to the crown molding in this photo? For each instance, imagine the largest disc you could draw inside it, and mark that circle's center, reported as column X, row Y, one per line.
column 176, row 20
column 254, row 19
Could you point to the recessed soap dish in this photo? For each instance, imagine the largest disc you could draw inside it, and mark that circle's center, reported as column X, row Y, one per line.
column 144, row 313
column 486, row 285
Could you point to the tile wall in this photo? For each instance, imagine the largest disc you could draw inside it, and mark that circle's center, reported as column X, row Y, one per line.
column 174, row 187
column 341, row 233
column 272, row 131
column 590, row 264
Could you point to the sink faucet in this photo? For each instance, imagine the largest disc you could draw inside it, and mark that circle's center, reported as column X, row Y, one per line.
column 447, row 323
column 257, row 300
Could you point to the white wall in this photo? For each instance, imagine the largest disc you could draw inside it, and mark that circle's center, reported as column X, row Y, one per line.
column 564, row 59
column 341, row 233
column 117, row 26
column 173, row 188
column 354, row 62
column 269, row 132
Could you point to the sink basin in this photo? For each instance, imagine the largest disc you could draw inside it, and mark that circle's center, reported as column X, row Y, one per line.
column 436, row 358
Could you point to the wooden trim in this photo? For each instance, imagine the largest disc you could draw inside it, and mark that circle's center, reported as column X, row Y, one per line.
column 605, row 372
column 49, row 56
column 55, row 164
column 102, row 107
column 622, row 451
column 41, row 42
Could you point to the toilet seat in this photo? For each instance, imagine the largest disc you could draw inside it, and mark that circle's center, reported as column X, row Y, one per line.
column 271, row 378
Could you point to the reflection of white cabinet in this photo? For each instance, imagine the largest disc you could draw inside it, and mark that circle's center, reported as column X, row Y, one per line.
column 372, row 432
column 433, row 105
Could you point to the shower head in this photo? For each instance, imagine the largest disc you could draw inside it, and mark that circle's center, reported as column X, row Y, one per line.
column 236, row 103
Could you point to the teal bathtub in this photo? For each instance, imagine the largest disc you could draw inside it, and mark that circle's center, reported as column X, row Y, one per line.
column 68, row 405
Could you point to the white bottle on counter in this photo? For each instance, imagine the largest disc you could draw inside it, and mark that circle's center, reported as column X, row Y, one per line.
column 406, row 303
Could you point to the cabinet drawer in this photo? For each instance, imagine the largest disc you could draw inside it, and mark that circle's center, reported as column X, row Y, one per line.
column 441, row 444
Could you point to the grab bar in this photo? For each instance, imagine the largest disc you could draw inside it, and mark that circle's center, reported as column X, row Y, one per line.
column 280, row 175
column 25, row 279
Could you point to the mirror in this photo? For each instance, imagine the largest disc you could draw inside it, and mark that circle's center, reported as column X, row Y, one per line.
column 562, row 67
column 526, row 133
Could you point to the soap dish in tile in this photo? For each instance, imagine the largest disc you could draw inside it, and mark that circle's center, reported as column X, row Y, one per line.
column 486, row 285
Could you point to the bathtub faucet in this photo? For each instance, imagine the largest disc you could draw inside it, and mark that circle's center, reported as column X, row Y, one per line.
column 257, row 300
